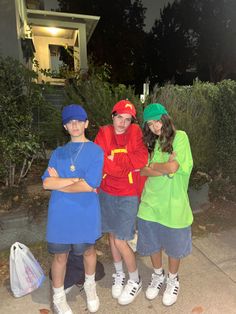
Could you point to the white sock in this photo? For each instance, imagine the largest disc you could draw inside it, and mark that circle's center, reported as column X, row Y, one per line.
column 173, row 276
column 119, row 266
column 158, row 271
column 90, row 278
column 134, row 276
column 57, row 291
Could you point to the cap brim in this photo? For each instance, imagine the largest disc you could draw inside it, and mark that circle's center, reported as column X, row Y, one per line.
column 124, row 111
column 75, row 117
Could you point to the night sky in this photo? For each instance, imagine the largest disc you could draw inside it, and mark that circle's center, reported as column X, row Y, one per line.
column 153, row 10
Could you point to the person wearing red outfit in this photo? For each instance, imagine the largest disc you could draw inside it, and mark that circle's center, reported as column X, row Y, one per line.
column 124, row 155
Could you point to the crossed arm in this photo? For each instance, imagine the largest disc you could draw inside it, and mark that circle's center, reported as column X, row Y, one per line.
column 67, row 185
column 156, row 169
column 120, row 164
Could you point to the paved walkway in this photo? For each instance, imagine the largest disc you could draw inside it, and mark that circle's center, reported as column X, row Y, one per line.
column 207, row 278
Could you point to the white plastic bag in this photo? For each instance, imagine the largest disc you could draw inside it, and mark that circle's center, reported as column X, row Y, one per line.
column 26, row 275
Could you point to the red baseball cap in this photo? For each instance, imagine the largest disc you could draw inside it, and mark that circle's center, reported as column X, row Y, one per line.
column 124, row 106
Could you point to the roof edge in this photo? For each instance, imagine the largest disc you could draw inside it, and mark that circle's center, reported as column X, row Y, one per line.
column 64, row 14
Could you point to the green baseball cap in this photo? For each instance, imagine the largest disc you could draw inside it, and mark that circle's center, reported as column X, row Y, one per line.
column 153, row 112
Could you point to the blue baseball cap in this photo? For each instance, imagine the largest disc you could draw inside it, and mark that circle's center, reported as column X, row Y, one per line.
column 73, row 112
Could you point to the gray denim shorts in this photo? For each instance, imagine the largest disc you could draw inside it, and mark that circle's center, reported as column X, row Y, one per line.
column 119, row 215
column 59, row 248
column 153, row 237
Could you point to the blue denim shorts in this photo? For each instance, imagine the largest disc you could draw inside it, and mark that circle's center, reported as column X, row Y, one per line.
column 59, row 248
column 119, row 215
column 154, row 237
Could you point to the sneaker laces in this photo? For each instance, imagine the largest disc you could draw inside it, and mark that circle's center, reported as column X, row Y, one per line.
column 156, row 280
column 130, row 286
column 118, row 279
column 171, row 285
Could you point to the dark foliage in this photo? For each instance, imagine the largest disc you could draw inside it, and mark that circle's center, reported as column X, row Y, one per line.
column 194, row 38
column 118, row 38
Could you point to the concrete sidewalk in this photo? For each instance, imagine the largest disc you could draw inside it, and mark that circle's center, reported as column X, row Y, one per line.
column 207, row 279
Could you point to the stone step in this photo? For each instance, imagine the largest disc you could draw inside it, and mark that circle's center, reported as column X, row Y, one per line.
column 56, row 96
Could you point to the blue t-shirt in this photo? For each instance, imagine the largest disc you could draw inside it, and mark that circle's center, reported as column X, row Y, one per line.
column 75, row 217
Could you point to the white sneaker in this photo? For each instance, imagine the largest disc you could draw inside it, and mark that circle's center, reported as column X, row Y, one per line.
column 118, row 284
column 92, row 298
column 172, row 290
column 60, row 304
column 130, row 292
column 155, row 286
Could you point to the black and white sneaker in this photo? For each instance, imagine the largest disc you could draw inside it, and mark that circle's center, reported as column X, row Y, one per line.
column 130, row 292
column 118, row 284
column 172, row 290
column 155, row 285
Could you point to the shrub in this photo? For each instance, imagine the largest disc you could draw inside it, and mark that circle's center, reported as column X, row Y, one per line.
column 225, row 131
column 207, row 113
column 19, row 99
column 191, row 110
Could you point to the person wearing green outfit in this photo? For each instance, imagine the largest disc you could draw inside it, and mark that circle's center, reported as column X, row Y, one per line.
column 165, row 216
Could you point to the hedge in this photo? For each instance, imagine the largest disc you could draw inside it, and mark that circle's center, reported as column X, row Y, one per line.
column 207, row 112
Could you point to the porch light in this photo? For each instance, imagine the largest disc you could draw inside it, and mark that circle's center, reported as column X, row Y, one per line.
column 53, row 30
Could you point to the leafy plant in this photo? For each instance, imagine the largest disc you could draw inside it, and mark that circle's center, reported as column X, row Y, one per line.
column 19, row 99
column 206, row 111
column 225, row 117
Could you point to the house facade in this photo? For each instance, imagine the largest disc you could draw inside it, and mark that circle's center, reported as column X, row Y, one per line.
column 45, row 39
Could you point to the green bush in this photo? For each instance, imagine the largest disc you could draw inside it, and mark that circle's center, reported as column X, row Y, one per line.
column 207, row 112
column 225, row 131
column 20, row 99
column 191, row 110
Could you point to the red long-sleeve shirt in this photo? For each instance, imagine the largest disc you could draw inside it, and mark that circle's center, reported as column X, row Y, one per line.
column 121, row 175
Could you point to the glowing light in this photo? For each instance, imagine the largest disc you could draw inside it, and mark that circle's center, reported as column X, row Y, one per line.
column 53, row 30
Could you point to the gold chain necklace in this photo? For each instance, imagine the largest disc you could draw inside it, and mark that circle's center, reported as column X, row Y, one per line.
column 72, row 165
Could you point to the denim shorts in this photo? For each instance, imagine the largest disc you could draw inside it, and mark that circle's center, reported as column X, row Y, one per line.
column 119, row 215
column 59, row 248
column 153, row 237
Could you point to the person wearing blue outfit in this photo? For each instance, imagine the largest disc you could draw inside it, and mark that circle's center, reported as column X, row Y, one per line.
column 74, row 223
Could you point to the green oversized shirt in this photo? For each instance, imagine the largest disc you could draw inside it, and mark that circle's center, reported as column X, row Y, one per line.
column 165, row 198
